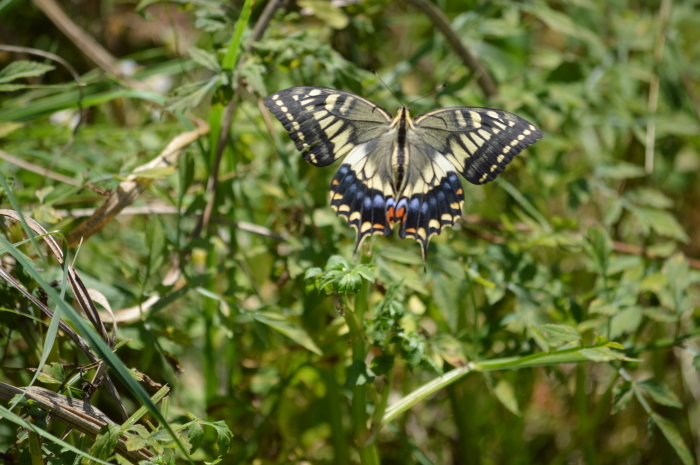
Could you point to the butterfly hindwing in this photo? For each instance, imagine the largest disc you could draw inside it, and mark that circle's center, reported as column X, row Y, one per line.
column 324, row 123
column 479, row 142
column 361, row 190
column 433, row 195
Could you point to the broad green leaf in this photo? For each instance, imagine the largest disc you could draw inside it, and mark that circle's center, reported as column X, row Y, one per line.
column 506, row 394
column 674, row 438
column 52, row 374
column 660, row 392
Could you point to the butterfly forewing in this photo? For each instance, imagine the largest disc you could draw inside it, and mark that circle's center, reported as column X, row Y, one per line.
column 479, row 142
column 326, row 124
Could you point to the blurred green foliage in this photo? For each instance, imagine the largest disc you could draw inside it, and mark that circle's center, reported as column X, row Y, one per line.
column 580, row 252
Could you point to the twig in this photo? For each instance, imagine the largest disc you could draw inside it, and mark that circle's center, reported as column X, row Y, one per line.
column 442, row 24
column 45, row 172
column 133, row 187
column 76, row 413
column 85, row 43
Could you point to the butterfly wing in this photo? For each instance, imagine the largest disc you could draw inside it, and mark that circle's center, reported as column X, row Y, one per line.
column 432, row 194
column 362, row 190
column 479, row 142
column 326, row 124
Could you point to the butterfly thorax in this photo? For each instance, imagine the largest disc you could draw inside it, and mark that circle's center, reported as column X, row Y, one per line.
column 401, row 154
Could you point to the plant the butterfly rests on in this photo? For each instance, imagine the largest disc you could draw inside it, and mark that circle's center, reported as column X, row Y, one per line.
column 399, row 170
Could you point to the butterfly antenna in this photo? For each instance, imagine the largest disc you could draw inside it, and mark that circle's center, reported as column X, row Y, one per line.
column 428, row 94
column 387, row 88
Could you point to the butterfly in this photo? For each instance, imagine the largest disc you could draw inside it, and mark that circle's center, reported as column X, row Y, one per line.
column 399, row 170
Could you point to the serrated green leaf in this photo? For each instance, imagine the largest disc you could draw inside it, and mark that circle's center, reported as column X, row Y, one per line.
column 195, row 434
column 674, row 438
column 23, row 69
column 204, row 58
column 52, row 374
column 224, row 436
column 105, row 442
column 661, row 393
column 661, row 222
column 506, row 394
column 190, row 95
column 349, row 284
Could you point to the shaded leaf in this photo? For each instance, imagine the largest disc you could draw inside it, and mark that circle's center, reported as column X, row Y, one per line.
column 23, row 69
column 660, row 392
column 506, row 394
column 292, row 331
column 674, row 438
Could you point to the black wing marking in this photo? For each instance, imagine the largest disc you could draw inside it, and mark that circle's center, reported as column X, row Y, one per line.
column 479, row 142
column 326, row 124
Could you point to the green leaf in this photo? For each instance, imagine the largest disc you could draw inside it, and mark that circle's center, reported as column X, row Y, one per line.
column 660, row 393
column 231, row 58
column 326, row 12
column 105, row 442
column 562, row 333
column 224, row 436
column 603, row 354
column 195, row 434
column 674, row 438
column 358, row 374
column 52, row 374
column 506, row 394
column 292, row 331
column 205, row 58
column 622, row 395
column 621, row 170
column 23, row 69
column 190, row 95
column 349, row 284
column 661, row 222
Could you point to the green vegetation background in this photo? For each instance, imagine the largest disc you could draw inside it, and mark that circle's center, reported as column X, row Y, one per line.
column 580, row 252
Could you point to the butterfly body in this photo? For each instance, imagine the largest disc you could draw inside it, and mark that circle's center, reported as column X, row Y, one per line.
column 399, row 170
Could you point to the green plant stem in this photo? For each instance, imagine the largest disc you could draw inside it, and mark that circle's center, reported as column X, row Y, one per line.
column 35, row 448
column 368, row 452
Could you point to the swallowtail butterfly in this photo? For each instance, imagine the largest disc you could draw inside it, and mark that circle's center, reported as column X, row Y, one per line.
column 399, row 170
